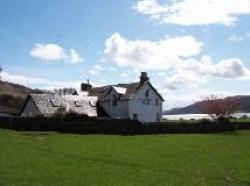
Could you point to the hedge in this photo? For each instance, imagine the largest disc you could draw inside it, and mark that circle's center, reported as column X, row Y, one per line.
column 114, row 126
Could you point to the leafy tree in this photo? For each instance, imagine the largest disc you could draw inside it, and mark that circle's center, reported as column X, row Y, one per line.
column 219, row 108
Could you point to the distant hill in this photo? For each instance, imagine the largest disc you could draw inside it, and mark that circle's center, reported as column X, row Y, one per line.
column 244, row 106
column 13, row 96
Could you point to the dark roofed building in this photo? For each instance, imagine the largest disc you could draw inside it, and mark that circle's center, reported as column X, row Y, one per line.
column 48, row 104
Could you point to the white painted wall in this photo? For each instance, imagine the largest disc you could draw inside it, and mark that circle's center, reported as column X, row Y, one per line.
column 123, row 107
column 118, row 111
column 30, row 109
column 126, row 108
column 146, row 113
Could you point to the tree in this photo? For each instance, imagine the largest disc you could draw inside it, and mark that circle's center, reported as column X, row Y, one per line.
column 219, row 108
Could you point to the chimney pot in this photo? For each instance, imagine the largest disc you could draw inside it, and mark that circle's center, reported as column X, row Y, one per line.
column 86, row 86
column 143, row 78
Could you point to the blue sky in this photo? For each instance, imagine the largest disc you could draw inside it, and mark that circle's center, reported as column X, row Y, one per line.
column 190, row 48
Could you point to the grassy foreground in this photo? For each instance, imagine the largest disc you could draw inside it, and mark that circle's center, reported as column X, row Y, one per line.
column 29, row 158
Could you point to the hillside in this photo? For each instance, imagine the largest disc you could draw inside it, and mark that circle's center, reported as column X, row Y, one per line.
column 244, row 106
column 12, row 97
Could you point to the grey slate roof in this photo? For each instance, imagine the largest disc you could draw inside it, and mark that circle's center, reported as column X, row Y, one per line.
column 131, row 88
column 48, row 104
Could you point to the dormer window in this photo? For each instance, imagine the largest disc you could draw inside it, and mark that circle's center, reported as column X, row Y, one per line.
column 54, row 103
column 77, row 104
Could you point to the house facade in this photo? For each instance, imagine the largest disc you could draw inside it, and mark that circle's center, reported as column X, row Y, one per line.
column 139, row 101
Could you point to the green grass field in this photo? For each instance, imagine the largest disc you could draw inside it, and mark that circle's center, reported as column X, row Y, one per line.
column 240, row 120
column 30, row 158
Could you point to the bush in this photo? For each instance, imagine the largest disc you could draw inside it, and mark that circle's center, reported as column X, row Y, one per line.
column 244, row 117
column 223, row 120
column 204, row 120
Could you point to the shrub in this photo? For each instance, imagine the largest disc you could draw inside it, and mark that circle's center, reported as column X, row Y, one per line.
column 244, row 116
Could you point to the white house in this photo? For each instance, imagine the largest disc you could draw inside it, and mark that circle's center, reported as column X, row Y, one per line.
column 139, row 100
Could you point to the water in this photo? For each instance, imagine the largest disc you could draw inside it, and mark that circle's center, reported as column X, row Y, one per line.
column 197, row 116
column 186, row 116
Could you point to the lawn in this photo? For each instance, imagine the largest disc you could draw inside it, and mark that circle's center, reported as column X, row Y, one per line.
column 240, row 120
column 31, row 158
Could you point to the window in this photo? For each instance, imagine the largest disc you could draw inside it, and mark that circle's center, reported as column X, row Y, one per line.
column 147, row 93
column 114, row 100
column 146, row 102
column 135, row 116
column 156, row 102
column 158, row 118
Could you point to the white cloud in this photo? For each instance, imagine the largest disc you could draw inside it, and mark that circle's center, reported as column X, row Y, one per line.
column 235, row 38
column 193, row 72
column 194, row 12
column 227, row 68
column 74, row 57
column 54, row 52
column 48, row 52
column 184, row 79
column 144, row 54
column 174, row 57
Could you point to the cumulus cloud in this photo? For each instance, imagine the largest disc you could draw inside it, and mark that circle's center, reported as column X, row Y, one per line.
column 173, row 56
column 193, row 72
column 144, row 54
column 227, row 68
column 54, row 52
column 194, row 12
column 74, row 57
